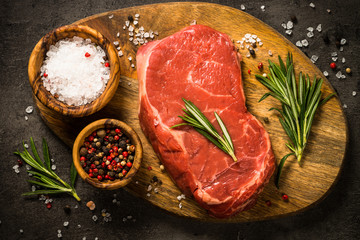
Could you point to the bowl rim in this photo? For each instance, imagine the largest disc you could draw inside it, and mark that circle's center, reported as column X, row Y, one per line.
column 47, row 98
column 129, row 131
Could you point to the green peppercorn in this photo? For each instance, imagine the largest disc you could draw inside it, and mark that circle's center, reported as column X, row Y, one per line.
column 101, row 172
column 120, row 175
column 132, row 148
column 131, row 158
column 96, row 163
column 101, row 133
column 83, row 151
column 111, row 174
column 123, row 163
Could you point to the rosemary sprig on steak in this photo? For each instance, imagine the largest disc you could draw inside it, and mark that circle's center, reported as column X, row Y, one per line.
column 195, row 118
column 46, row 177
column 299, row 103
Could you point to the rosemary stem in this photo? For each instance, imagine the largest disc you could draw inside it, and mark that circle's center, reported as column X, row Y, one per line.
column 74, row 194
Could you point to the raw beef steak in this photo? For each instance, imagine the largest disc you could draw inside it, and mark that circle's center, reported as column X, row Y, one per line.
column 201, row 64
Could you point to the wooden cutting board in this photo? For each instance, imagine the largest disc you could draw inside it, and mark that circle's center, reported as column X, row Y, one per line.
column 305, row 185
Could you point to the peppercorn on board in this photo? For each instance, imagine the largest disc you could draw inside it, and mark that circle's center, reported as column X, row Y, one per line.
column 305, row 185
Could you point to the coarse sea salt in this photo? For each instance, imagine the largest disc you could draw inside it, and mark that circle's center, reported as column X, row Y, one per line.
column 71, row 74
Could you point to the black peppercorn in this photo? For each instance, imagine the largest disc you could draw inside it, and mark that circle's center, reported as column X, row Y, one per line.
column 126, row 168
column 83, row 151
column 111, row 174
column 293, row 18
column 252, row 52
column 67, row 209
column 122, row 144
column 130, row 18
column 337, row 43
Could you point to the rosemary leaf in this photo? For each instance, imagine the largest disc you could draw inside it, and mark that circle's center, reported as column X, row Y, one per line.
column 48, row 179
column 195, row 118
column 299, row 101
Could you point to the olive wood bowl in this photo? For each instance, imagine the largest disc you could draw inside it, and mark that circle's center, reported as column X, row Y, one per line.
column 129, row 132
column 39, row 53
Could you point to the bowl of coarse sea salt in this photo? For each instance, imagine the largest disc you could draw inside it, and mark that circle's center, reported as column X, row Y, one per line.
column 74, row 70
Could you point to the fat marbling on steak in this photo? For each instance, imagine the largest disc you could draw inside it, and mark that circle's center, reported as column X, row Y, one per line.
column 201, row 64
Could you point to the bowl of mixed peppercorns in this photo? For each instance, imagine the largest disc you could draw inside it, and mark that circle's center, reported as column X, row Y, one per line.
column 107, row 154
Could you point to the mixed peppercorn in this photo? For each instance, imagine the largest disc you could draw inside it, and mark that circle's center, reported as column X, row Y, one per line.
column 107, row 154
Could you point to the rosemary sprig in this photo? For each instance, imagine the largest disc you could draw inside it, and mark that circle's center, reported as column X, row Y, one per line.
column 195, row 118
column 48, row 179
column 299, row 103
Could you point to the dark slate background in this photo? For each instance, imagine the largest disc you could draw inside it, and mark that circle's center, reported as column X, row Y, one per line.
column 23, row 23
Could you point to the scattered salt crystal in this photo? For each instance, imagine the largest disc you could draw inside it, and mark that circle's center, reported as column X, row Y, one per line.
column 79, row 226
column 116, row 43
column 120, row 53
column 130, row 58
column 341, row 49
column 310, row 29
column 310, row 34
column 26, row 145
column 343, row 60
column 132, row 65
column 343, row 41
column 137, row 182
column 334, row 59
column 149, row 188
column 328, row 10
column 146, row 35
column 26, row 118
column 247, row 36
column 118, row 34
column 53, row 167
column 94, row 218
column 270, row 53
column 298, row 44
column 289, row 25
column 260, row 44
column 319, row 28
column 179, row 198
column 21, row 231
column 345, row 106
column 118, row 48
column 136, row 22
column 29, row 109
column 127, row 23
column 33, row 188
column 180, row 205
column 111, row 16
column 304, row 42
column 193, row 22
column 52, row 160
column 28, row 167
column 17, row 170
column 137, row 15
column 314, row 58
column 16, row 166
column 242, row 7
column 59, row 235
column 66, row 223
column 283, row 25
column 288, row 32
column 263, row 8
column 248, row 55
column 124, row 27
column 343, row 76
column 354, row 93
column 148, row 194
column 338, row 74
column 114, row 201
column 334, row 54
column 326, row 73
column 312, row 5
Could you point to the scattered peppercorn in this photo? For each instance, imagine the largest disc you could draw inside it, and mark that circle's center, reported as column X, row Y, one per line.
column 20, row 163
column 106, row 153
column 45, row 74
column 266, row 120
column 87, row 54
column 130, row 18
column 268, row 203
column 106, row 64
column 293, row 18
column 325, row 37
column 67, row 209
column 285, row 197
column 252, row 52
column 260, row 66
column 348, row 70
column 249, row 71
column 337, row 43
column 332, row 65
column 48, row 205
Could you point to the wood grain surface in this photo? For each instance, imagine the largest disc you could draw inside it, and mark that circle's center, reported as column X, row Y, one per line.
column 305, row 185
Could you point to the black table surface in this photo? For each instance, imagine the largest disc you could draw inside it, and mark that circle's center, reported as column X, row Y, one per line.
column 22, row 25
